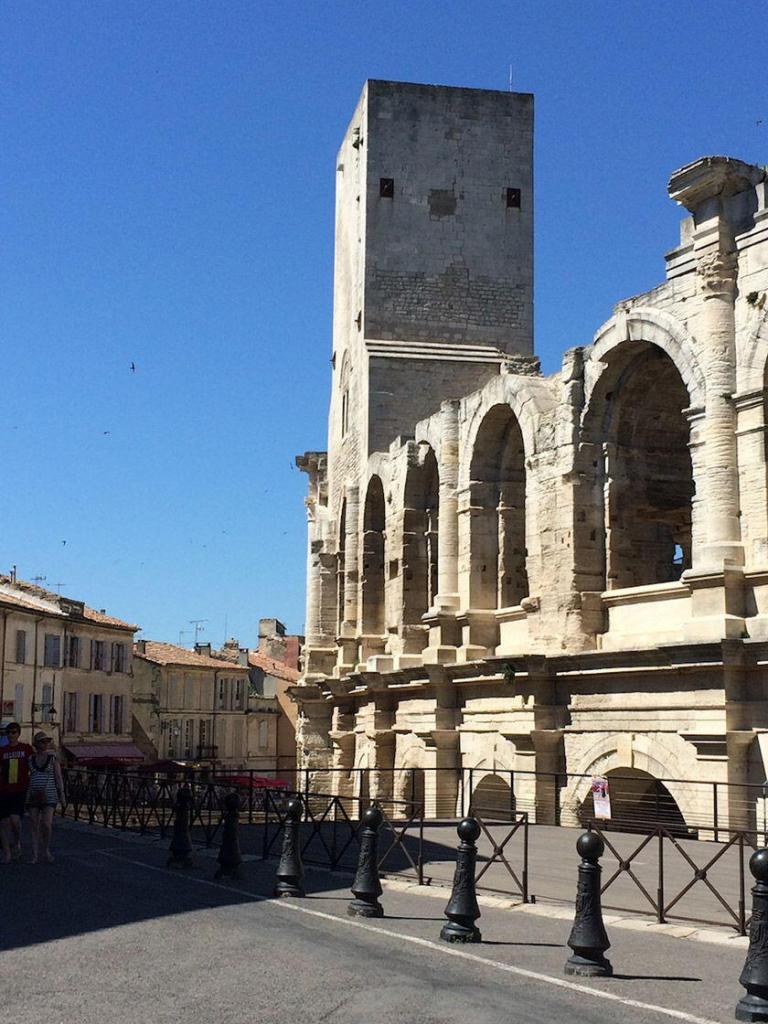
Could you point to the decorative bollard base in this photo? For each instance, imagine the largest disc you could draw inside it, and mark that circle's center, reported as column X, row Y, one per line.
column 288, row 889
column 359, row 908
column 453, row 932
column 752, row 1007
column 588, row 967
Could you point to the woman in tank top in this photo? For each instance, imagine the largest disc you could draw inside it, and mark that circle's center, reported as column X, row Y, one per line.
column 46, row 788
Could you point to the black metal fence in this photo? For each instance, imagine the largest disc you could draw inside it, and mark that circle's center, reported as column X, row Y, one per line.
column 652, row 865
column 639, row 802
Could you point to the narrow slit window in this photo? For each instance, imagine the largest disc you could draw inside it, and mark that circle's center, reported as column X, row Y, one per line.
column 387, row 188
column 513, row 198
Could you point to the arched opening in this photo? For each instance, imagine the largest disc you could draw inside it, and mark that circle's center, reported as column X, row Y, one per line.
column 498, row 573
column 373, row 559
column 493, row 798
column 341, row 567
column 420, row 538
column 411, row 791
column 639, row 514
column 638, row 802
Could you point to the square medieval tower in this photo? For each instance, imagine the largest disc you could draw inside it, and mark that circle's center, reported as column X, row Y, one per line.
column 433, row 285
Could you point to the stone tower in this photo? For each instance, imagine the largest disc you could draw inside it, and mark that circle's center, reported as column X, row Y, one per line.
column 434, row 257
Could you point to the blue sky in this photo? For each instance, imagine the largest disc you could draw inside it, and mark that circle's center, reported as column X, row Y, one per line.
column 166, row 199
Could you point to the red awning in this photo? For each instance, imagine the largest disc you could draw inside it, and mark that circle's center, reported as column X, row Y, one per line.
column 124, row 753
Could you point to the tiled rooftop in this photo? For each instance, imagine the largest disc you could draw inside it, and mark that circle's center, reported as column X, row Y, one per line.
column 31, row 597
column 171, row 654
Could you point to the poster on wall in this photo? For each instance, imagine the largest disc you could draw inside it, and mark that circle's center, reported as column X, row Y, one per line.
column 601, row 800
column 8, row 708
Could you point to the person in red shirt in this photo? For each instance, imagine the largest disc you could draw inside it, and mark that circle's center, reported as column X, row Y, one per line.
column 14, row 779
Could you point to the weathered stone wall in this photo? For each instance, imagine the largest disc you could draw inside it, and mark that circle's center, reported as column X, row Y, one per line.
column 553, row 574
column 447, row 259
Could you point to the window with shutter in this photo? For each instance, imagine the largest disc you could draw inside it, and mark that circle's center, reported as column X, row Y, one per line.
column 21, row 646
column 70, row 712
column 52, row 651
column 47, row 701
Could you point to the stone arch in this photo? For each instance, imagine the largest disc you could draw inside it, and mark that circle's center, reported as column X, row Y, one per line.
column 421, row 498
column 528, row 398
column 498, row 576
column 410, row 777
column 639, row 801
column 373, row 577
column 655, row 327
column 493, row 797
column 635, row 495
column 649, row 756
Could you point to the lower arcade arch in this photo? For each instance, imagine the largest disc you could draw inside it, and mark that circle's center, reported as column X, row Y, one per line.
column 638, row 801
column 493, row 798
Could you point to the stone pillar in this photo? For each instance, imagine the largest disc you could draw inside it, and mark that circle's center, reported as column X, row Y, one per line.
column 448, row 550
column 711, row 189
column 707, row 188
column 320, row 648
column 348, row 591
column 350, row 615
column 716, row 268
column 313, row 744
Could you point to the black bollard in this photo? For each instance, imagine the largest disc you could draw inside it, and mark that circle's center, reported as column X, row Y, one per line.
column 181, row 842
column 588, row 938
column 366, row 887
column 754, row 976
column 290, row 870
column 229, row 857
column 462, row 910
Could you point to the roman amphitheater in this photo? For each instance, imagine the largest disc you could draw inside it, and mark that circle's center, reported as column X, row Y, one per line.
column 559, row 576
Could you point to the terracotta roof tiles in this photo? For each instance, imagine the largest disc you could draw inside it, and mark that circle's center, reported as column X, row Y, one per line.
column 171, row 654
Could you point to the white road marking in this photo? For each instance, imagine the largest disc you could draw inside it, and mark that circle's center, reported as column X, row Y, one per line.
column 438, row 947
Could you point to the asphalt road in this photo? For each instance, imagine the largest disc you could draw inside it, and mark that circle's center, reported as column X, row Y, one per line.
column 107, row 933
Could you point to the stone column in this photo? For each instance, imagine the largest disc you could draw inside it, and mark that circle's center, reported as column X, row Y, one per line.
column 448, row 547
column 444, row 633
column 716, row 268
column 320, row 648
column 709, row 188
column 351, row 557
column 348, row 591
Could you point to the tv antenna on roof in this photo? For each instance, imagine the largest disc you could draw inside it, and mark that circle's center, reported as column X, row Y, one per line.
column 39, row 579
column 199, row 627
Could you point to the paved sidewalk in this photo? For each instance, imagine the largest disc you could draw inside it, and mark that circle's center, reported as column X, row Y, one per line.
column 107, row 930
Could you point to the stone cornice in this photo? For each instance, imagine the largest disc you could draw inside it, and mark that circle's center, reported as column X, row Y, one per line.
column 712, row 176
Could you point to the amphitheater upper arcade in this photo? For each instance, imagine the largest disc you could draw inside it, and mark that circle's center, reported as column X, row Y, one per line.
column 566, row 572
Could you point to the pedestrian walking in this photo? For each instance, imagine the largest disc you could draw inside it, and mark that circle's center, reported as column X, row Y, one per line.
column 46, row 788
column 14, row 778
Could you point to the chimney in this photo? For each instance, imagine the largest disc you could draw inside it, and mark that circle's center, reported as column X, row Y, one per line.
column 204, row 649
column 141, row 646
column 269, row 628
